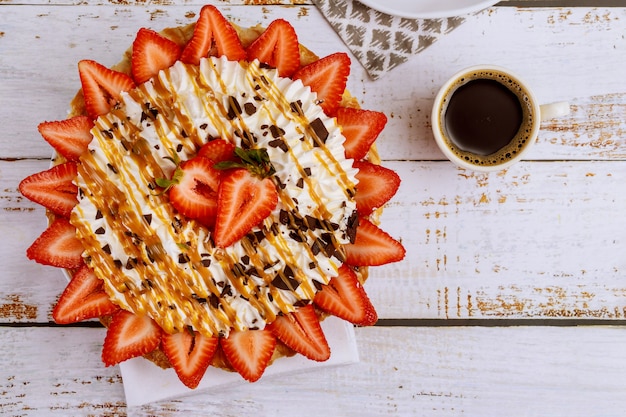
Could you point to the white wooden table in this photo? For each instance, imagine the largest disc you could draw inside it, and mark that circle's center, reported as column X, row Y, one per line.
column 512, row 298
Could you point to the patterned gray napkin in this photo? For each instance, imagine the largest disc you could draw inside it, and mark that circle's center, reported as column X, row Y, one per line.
column 380, row 41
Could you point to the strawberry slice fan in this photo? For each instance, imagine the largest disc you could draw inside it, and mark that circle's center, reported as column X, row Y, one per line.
column 225, row 188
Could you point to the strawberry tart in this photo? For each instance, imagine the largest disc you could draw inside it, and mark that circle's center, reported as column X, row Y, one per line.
column 214, row 196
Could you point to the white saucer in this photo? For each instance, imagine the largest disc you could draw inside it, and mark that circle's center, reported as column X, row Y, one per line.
column 428, row 9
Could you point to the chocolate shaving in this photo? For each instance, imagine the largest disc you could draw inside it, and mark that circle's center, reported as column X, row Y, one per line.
column 296, row 236
column 201, row 300
column 315, row 248
column 226, row 291
column 318, row 285
column 351, row 226
column 130, row 263
column 214, row 300
column 112, row 168
column 320, row 131
column 302, row 303
column 312, row 222
column 287, row 283
column 234, row 108
column 296, row 107
column 279, row 143
column 249, row 108
column 276, row 131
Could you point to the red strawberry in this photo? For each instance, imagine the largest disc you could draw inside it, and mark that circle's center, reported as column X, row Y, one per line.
column 218, row 150
column 53, row 188
column 152, row 53
column 328, row 78
column 249, row 351
column 57, row 246
column 243, row 201
column 193, row 189
column 301, row 331
column 84, row 298
column 190, row 354
column 345, row 297
column 376, row 186
column 213, row 31
column 372, row 246
column 360, row 128
column 128, row 336
column 68, row 137
column 102, row 87
column 277, row 47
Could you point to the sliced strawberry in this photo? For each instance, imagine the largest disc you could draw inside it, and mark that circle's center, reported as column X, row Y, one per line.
column 151, row 54
column 57, row 246
column 218, row 150
column 328, row 78
column 102, row 87
column 213, row 35
column 190, row 354
column 277, row 47
column 301, row 331
column 69, row 137
column 193, row 189
column 249, row 351
column 54, row 188
column 376, row 186
column 345, row 297
column 360, row 128
column 372, row 246
column 128, row 336
column 84, row 298
column 243, row 201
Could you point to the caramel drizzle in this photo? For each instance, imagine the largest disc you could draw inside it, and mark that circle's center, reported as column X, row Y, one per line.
column 279, row 243
column 176, row 280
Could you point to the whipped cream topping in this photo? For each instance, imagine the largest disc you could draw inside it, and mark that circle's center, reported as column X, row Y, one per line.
column 155, row 261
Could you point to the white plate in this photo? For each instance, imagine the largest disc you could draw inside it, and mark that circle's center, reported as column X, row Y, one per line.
column 144, row 382
column 428, row 9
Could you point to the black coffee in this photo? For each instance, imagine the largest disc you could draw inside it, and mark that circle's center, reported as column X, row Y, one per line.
column 483, row 116
column 487, row 118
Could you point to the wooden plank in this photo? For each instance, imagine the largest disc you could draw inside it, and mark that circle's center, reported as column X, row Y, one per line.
column 550, row 48
column 571, row 38
column 105, row 33
column 503, row 3
column 517, row 244
column 534, row 371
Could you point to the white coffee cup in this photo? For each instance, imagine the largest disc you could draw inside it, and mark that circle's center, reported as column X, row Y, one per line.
column 486, row 118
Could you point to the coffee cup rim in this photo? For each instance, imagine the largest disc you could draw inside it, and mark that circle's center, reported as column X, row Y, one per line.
column 437, row 128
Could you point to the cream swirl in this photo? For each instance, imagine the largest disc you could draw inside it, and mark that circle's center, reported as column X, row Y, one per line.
column 153, row 260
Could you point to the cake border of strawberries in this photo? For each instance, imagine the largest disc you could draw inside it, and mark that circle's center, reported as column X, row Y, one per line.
column 297, row 332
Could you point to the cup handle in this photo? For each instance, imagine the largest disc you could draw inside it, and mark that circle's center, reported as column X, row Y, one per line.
column 554, row 110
